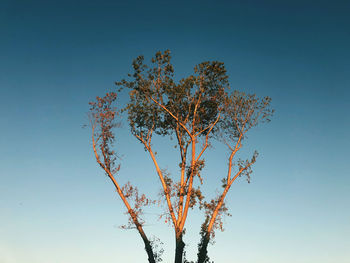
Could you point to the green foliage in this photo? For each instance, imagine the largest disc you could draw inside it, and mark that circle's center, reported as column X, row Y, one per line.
column 195, row 101
column 242, row 112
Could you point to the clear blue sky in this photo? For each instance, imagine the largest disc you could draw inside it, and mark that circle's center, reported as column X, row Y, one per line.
column 56, row 206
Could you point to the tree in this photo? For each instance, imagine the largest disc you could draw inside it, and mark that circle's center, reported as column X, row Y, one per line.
column 197, row 110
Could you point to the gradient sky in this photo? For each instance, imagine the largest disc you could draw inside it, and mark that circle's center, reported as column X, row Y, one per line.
column 56, row 206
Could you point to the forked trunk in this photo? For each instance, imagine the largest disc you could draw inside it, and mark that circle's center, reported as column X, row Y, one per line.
column 179, row 250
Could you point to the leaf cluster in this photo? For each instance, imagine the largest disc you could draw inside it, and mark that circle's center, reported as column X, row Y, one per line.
column 102, row 118
column 138, row 200
column 194, row 101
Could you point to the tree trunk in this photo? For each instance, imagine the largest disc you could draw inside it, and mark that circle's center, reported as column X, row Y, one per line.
column 148, row 246
column 149, row 251
column 202, row 250
column 179, row 250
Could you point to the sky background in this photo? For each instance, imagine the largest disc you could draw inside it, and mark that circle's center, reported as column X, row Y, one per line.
column 56, row 206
